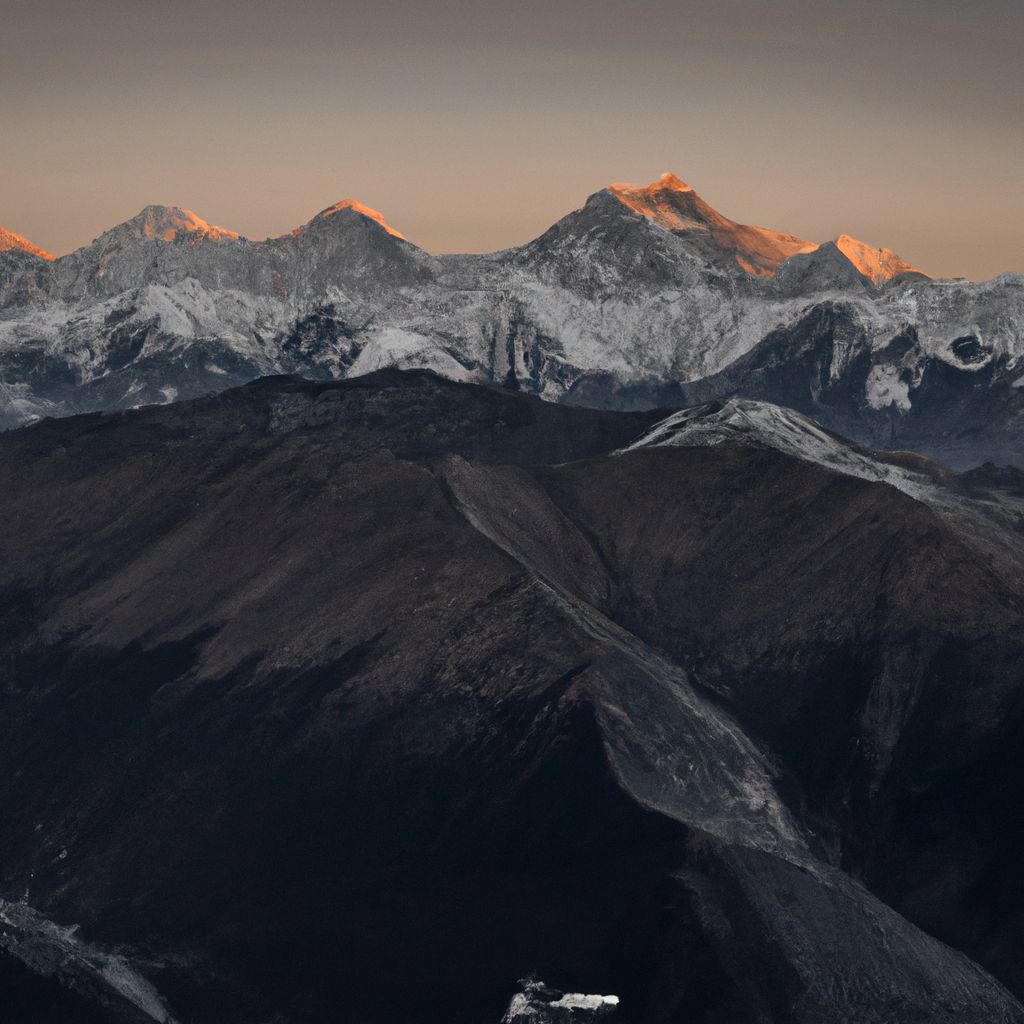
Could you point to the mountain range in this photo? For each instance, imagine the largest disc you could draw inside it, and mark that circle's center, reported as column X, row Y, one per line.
column 362, row 700
column 639, row 609
column 643, row 297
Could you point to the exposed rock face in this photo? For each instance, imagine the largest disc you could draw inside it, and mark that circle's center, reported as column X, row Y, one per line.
column 380, row 693
column 645, row 296
column 957, row 400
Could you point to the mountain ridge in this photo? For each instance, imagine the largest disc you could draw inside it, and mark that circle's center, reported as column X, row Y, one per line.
column 760, row 250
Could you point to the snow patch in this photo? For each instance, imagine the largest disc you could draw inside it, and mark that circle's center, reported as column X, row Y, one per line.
column 46, row 948
column 579, row 1001
column 392, row 346
column 884, row 387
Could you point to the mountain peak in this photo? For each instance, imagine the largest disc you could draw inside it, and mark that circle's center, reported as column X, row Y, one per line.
column 356, row 207
column 170, row 223
column 671, row 181
column 674, row 205
column 880, row 265
column 10, row 240
column 668, row 182
column 669, row 202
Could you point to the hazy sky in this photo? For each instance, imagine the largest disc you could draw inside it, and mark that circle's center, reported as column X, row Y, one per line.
column 475, row 125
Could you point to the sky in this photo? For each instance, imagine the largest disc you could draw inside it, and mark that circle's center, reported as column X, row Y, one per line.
column 473, row 126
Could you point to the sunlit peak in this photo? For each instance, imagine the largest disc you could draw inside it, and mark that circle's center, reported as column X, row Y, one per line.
column 360, row 208
column 168, row 223
column 10, row 240
column 877, row 264
column 673, row 205
column 668, row 182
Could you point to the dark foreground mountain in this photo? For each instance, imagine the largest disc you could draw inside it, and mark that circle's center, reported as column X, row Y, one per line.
column 362, row 700
column 642, row 297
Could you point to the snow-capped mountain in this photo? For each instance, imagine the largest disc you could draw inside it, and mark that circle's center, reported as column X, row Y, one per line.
column 644, row 296
column 675, row 206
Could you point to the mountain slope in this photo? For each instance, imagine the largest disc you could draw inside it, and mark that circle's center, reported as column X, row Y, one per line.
column 308, row 685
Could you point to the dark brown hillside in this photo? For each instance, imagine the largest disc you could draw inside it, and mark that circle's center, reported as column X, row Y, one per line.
column 361, row 700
